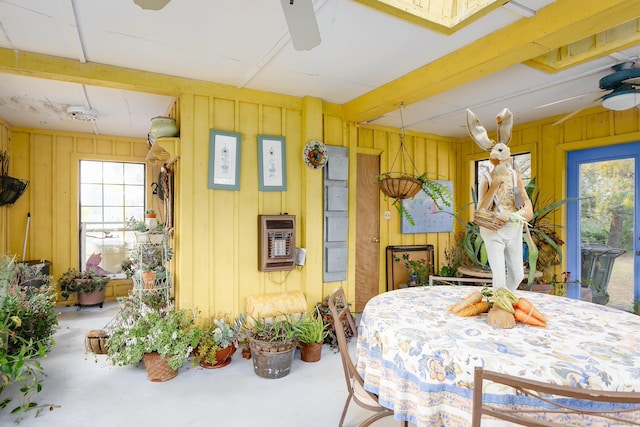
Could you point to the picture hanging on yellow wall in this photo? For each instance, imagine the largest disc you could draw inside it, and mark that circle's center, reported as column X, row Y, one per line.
column 224, row 160
column 272, row 165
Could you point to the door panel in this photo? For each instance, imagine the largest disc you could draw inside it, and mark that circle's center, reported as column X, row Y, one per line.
column 367, row 229
column 602, row 229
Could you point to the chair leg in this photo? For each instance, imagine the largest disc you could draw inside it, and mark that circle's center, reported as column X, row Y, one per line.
column 344, row 411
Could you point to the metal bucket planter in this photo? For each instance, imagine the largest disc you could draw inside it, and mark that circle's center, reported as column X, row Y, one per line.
column 272, row 359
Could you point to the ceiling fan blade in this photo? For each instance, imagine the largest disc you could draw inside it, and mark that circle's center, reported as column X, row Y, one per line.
column 301, row 20
column 568, row 116
column 565, row 99
column 151, row 4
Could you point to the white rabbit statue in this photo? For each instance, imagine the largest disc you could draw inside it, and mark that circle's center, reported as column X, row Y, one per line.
column 502, row 202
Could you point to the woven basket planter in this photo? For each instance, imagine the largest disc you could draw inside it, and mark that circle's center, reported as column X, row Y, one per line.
column 399, row 186
column 95, row 341
column 158, row 369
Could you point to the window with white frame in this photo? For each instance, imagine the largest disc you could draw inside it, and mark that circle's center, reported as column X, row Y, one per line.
column 110, row 192
column 521, row 163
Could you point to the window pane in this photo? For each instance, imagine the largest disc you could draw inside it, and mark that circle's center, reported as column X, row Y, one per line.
column 90, row 172
column 91, row 213
column 113, row 214
column 113, row 173
column 134, row 173
column 91, row 194
column 113, row 195
column 134, row 195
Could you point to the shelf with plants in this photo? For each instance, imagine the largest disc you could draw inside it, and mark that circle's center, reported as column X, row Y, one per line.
column 148, row 263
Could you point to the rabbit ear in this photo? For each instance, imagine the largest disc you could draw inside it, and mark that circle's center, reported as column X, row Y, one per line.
column 505, row 123
column 478, row 133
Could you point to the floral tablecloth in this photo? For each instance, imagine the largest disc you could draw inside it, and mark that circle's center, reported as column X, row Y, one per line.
column 420, row 360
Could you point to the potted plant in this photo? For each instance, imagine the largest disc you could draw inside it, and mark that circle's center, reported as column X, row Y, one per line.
column 272, row 345
column 149, row 230
column 146, row 264
column 149, row 328
column 419, row 269
column 219, row 336
column 543, row 250
column 310, row 331
column 88, row 284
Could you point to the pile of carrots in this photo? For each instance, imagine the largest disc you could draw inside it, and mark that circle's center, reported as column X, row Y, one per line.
column 529, row 315
column 524, row 310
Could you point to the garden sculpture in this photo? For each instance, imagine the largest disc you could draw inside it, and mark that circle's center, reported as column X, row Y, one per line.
column 503, row 204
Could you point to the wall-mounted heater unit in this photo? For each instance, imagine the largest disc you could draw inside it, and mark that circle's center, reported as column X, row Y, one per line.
column 277, row 242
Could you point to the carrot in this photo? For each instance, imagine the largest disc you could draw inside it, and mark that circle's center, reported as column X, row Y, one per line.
column 526, row 306
column 472, row 298
column 474, row 309
column 528, row 319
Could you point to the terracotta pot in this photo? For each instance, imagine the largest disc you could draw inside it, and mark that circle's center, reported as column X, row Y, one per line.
column 223, row 358
column 91, row 298
column 149, row 279
column 310, row 352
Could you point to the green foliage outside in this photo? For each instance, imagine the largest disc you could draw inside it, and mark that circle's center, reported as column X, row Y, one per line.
column 607, row 211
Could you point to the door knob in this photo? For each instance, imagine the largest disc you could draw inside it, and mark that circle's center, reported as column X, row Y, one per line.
column 375, row 240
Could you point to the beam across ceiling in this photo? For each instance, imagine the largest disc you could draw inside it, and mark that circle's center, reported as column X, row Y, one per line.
column 560, row 23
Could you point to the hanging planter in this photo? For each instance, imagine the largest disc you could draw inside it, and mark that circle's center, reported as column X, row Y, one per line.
column 399, row 185
column 405, row 183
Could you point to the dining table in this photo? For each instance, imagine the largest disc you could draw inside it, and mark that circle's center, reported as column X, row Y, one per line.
column 420, row 359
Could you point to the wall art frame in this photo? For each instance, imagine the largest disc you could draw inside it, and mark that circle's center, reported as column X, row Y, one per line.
column 272, row 165
column 224, row 160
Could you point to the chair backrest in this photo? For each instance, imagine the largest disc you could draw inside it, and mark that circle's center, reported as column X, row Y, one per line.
column 339, row 308
column 627, row 410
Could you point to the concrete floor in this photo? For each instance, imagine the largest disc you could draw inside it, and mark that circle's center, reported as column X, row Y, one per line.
column 92, row 392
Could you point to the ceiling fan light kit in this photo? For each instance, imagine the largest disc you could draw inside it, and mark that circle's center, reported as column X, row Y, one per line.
column 621, row 100
column 623, row 83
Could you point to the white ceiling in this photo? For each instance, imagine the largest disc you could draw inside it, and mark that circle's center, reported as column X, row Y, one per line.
column 245, row 44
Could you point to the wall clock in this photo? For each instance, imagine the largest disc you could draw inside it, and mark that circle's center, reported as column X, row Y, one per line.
column 315, row 154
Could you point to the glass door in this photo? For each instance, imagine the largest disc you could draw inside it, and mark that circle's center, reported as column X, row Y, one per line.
column 602, row 228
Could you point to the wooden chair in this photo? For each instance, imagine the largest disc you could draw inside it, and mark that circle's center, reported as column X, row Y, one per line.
column 546, row 392
column 355, row 384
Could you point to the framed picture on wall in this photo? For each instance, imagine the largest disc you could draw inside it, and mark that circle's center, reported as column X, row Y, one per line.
column 427, row 216
column 224, row 160
column 272, row 166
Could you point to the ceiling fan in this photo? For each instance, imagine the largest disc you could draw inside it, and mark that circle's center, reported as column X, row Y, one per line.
column 624, row 84
column 299, row 14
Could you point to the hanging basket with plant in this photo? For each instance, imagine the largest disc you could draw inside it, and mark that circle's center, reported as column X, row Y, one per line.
column 405, row 183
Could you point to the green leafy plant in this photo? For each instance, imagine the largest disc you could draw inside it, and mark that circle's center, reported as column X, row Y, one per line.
column 281, row 329
column 438, row 192
column 420, row 268
column 217, row 333
column 545, row 244
column 311, row 328
column 27, row 322
column 147, row 324
column 75, row 281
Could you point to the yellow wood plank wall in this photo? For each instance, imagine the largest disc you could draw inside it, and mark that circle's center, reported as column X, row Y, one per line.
column 431, row 154
column 216, row 241
column 49, row 160
column 5, row 145
column 217, row 230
